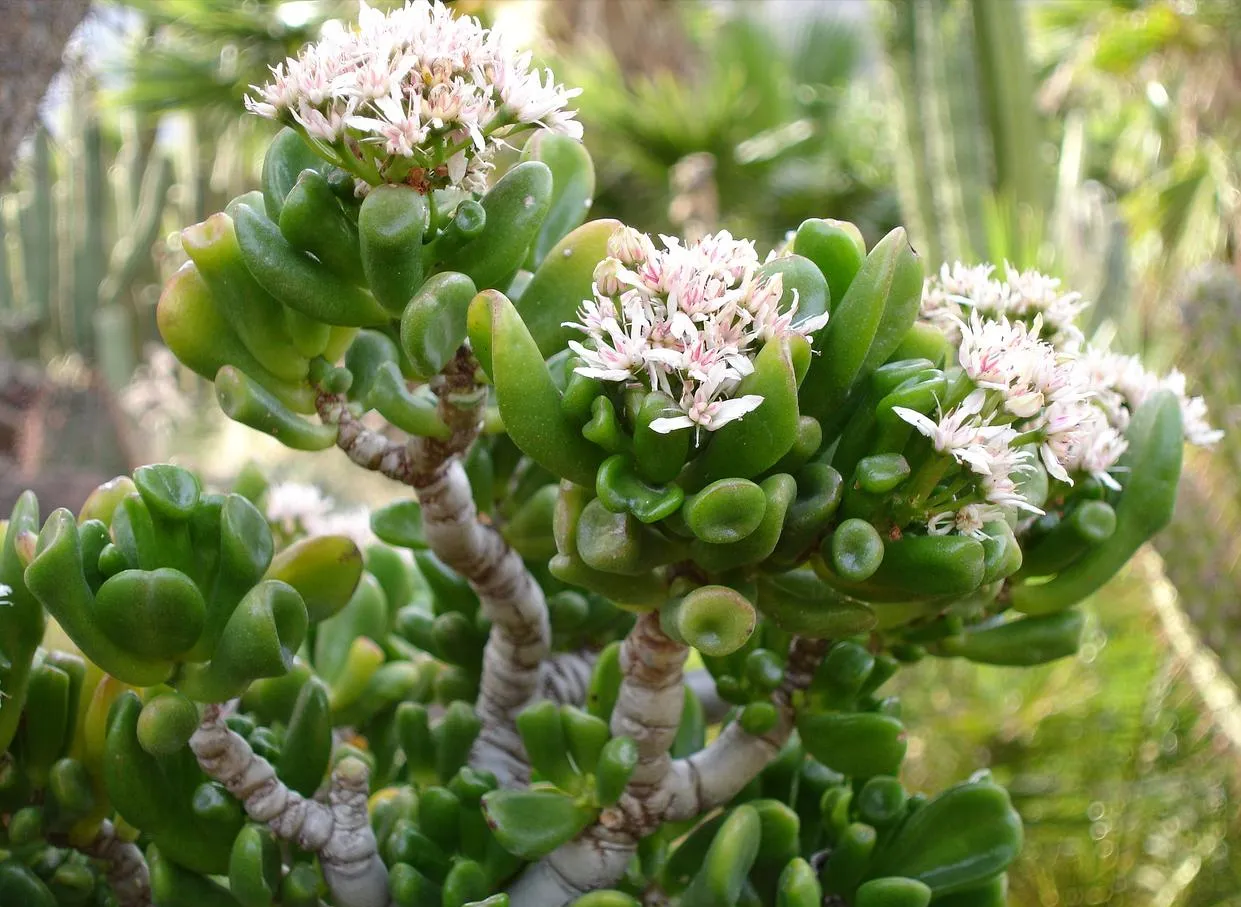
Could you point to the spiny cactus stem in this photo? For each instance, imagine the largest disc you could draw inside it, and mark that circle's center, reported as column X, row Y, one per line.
column 127, row 869
column 339, row 830
column 648, row 709
column 713, row 776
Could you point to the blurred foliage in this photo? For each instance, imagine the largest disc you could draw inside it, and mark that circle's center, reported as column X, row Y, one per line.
column 781, row 126
column 1116, row 758
column 1158, row 85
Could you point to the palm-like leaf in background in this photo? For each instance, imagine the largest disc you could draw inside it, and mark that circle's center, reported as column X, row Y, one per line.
column 789, row 135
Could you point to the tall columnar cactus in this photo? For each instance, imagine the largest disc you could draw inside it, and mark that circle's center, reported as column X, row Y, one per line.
column 83, row 228
column 965, row 90
column 615, row 453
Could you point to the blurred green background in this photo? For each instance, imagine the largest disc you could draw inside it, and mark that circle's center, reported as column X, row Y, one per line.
column 1099, row 140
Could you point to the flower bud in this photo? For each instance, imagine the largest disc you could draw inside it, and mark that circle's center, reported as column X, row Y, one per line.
column 607, row 276
column 628, row 245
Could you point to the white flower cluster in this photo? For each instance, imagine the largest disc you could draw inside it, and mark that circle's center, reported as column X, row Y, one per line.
column 686, row 320
column 1021, row 296
column 296, row 509
column 413, row 95
column 1023, row 386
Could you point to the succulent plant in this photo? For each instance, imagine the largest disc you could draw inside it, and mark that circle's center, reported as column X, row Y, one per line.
column 613, row 455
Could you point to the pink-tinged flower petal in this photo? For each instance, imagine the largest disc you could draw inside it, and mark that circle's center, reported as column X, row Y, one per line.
column 666, row 424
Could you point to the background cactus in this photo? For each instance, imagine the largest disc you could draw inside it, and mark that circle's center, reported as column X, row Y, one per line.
column 83, row 230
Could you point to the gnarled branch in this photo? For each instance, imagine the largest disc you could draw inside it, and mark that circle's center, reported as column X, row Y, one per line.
column 338, row 831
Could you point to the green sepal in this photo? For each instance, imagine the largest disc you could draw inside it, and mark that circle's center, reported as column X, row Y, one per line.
column 754, row 443
column 528, row 400
column 614, row 768
column 622, row 490
column 247, row 401
column 716, row 620
column 391, row 223
column 433, row 323
column 836, row 247
column 779, row 491
column 859, row 745
column 802, row 280
column 324, row 569
column 201, row 339
column 287, row 156
column 1153, row 462
column 515, row 207
column 799, row 602
column 415, row 412
column 300, row 281
column 57, row 580
column 307, row 745
column 313, row 220
column 254, row 867
column 255, row 316
column 573, row 190
column 959, row 839
column 1021, row 642
column 867, row 325
column 560, row 283
column 166, row 723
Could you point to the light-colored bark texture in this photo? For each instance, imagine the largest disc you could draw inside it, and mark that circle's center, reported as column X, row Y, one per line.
column 339, row 831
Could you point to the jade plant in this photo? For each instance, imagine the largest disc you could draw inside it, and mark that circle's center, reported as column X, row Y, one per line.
column 610, row 455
